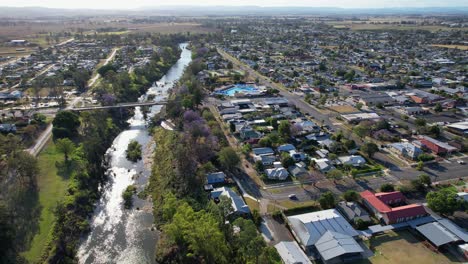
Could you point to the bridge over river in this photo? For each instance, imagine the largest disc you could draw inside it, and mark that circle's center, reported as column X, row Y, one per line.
column 122, row 105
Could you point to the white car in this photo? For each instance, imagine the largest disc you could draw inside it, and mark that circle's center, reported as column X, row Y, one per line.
column 292, row 196
column 461, row 161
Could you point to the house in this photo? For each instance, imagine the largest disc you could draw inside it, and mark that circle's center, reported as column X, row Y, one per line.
column 414, row 110
column 263, row 151
column 353, row 160
column 248, row 133
column 308, row 126
column 459, row 128
column 436, row 146
column 277, row 173
column 323, row 165
column 297, row 156
column 358, row 117
column 266, row 160
column 216, row 177
column 463, row 196
column 327, row 235
column 286, row 148
column 7, row 128
column 391, row 208
column 298, row 171
column 238, row 204
column 353, row 212
column 405, row 149
column 291, row 253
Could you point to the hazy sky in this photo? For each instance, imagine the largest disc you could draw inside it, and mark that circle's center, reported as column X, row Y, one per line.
column 128, row 4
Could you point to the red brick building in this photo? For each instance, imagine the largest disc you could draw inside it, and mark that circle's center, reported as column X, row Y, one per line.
column 390, row 207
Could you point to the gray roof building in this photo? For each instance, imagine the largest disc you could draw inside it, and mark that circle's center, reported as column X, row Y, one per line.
column 335, row 247
column 437, row 234
column 291, row 253
column 352, row 211
column 443, row 232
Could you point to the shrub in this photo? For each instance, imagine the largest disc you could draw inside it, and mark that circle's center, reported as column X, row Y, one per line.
column 127, row 195
column 387, row 187
column 134, row 151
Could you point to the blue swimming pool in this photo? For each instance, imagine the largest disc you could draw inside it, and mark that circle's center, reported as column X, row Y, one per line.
column 239, row 88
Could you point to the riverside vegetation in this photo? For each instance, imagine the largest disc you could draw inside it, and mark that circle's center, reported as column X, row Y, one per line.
column 193, row 228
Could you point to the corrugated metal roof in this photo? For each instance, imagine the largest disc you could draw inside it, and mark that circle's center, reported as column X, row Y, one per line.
column 437, row 233
column 291, row 253
column 311, row 226
column 334, row 244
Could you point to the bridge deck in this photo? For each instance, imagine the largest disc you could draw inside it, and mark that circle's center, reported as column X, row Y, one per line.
column 123, row 105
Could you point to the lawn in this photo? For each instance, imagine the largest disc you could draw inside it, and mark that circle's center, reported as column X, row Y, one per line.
column 402, row 247
column 52, row 188
column 253, row 205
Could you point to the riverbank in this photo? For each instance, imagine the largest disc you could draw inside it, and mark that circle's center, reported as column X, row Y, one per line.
column 52, row 188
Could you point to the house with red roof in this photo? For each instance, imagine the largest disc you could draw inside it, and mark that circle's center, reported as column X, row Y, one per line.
column 391, row 207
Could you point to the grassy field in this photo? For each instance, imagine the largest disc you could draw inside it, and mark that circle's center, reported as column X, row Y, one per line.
column 253, row 205
column 52, row 188
column 403, row 247
column 460, row 47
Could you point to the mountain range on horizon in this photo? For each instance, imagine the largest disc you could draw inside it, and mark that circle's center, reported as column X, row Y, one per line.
column 220, row 10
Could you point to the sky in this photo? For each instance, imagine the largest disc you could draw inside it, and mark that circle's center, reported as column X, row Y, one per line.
column 126, row 4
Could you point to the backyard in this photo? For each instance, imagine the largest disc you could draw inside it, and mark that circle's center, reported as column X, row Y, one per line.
column 403, row 247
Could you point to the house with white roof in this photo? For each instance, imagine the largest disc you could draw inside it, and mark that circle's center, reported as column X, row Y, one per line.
column 353, row 160
column 238, row 203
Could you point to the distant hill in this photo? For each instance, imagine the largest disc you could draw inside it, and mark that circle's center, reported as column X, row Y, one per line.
column 36, row 12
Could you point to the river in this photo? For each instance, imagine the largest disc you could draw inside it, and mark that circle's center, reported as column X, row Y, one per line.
column 119, row 235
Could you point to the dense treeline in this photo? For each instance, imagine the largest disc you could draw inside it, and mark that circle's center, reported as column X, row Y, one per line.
column 19, row 207
column 194, row 228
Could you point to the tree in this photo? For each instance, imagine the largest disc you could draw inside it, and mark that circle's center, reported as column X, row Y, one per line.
column 335, row 174
column 327, row 200
column 359, row 106
column 350, row 144
column 438, row 108
column 259, row 166
column 434, row 131
column 284, row 129
column 444, row 201
column 420, row 122
column 65, row 146
column 370, row 149
column 361, row 131
column 351, row 196
column 387, row 187
column 287, row 160
column 425, row 179
column 66, row 124
column 420, row 165
column 228, row 158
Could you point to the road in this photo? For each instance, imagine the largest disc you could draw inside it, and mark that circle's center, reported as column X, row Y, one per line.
column 109, row 59
column 47, row 133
